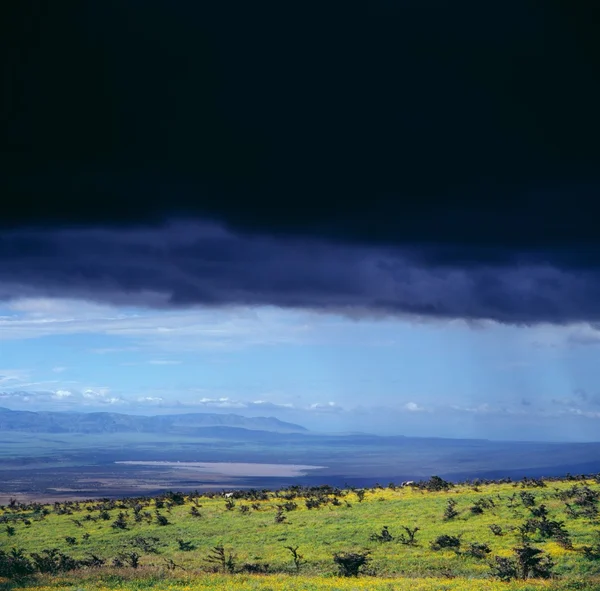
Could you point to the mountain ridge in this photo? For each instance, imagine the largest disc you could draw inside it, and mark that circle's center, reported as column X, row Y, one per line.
column 111, row 422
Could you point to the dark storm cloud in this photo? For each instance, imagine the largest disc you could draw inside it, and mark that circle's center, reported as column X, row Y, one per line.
column 422, row 158
column 186, row 264
column 470, row 126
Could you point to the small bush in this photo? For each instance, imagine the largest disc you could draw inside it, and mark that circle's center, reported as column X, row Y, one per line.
column 478, row 550
column 527, row 498
column 185, row 546
column 351, row 563
column 384, row 536
column 120, row 522
column 450, row 512
column 504, row 569
column 446, row 541
column 222, row 561
column 254, row 568
column 162, row 520
column 280, row 517
column 435, row 483
column 529, row 562
column 14, row 565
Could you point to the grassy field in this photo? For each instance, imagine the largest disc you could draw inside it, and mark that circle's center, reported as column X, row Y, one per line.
column 258, row 532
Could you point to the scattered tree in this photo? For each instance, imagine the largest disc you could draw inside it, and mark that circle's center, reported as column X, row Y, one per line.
column 296, row 557
column 409, row 537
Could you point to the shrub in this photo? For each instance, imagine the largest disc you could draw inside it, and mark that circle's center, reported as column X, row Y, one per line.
column 52, row 561
column 162, row 520
column 478, row 550
column 593, row 552
column 384, row 536
column 132, row 559
column 148, row 545
column 176, row 498
column 540, row 511
column 350, row 563
column 194, row 512
column 446, row 541
column 450, row 512
column 223, row 561
column 280, row 516
column 255, row 568
column 409, row 538
column 529, row 562
column 93, row 561
column 14, row 565
column 504, row 569
column 496, row 529
column 185, row 546
column 120, row 522
column 533, row 562
column 527, row 498
column 435, row 483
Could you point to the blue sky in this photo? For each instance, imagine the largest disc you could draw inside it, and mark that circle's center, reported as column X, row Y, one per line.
column 402, row 375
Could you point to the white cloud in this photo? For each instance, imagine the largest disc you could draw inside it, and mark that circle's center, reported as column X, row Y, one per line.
column 63, row 394
column 266, row 403
column 413, row 407
column 325, row 407
column 59, row 369
column 164, row 362
column 150, row 399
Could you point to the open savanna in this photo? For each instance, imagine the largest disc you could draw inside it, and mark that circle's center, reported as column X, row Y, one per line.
column 255, row 529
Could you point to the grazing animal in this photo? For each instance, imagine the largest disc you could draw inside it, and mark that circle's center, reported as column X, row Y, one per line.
column 228, row 495
column 408, row 483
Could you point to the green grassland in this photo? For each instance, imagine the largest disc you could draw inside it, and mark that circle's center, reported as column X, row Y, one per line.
column 175, row 555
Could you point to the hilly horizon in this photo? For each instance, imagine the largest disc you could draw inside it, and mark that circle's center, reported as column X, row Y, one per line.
column 111, row 422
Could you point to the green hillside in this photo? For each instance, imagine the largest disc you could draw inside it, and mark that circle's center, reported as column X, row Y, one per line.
column 466, row 539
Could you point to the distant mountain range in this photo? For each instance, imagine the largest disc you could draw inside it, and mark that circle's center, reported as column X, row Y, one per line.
column 108, row 422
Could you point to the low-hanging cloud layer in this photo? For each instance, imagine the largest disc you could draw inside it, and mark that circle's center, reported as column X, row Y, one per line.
column 185, row 264
column 434, row 160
